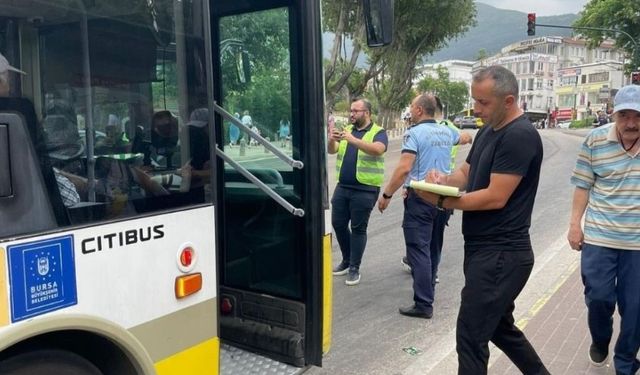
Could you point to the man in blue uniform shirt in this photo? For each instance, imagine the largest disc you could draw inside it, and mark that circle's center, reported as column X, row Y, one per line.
column 426, row 146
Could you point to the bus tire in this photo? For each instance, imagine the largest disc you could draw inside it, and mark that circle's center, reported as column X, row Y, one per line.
column 48, row 362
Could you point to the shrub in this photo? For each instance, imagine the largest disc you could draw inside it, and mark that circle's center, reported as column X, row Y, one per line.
column 584, row 123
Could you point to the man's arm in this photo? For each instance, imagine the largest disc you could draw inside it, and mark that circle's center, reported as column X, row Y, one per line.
column 371, row 148
column 465, row 138
column 493, row 197
column 81, row 183
column 458, row 178
column 580, row 201
column 334, row 141
column 397, row 179
column 145, row 181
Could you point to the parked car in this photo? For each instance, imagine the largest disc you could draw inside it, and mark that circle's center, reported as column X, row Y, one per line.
column 456, row 121
column 468, row 122
column 564, row 124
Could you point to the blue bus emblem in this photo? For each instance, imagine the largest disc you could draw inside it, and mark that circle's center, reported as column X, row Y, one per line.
column 42, row 277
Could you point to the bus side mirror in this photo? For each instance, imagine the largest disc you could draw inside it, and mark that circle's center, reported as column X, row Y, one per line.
column 378, row 18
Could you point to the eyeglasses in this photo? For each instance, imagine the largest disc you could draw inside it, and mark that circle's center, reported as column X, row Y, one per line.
column 357, row 110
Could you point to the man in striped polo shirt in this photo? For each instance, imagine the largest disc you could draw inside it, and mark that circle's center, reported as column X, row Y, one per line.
column 607, row 180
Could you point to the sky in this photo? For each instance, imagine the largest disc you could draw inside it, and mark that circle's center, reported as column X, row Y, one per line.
column 540, row 7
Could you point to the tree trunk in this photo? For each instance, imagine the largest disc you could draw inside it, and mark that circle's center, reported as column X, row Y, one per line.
column 336, row 79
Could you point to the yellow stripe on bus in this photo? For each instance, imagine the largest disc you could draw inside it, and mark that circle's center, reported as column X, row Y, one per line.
column 327, row 294
column 201, row 359
column 4, row 298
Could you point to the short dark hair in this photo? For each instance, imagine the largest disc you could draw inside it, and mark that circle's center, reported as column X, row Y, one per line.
column 366, row 102
column 428, row 103
column 505, row 81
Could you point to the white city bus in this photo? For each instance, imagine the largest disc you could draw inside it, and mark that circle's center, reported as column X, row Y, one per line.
column 134, row 238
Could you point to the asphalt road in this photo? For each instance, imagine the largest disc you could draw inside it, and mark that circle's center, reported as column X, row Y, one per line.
column 370, row 337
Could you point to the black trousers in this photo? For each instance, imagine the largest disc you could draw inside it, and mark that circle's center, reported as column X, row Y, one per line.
column 493, row 280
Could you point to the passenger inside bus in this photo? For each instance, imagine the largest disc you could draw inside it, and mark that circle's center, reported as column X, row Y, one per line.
column 64, row 149
column 198, row 166
column 164, row 141
column 115, row 141
column 119, row 180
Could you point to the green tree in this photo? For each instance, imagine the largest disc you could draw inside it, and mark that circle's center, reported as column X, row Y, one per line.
column 454, row 95
column 344, row 18
column 481, row 54
column 613, row 14
column 267, row 95
column 165, row 91
column 420, row 28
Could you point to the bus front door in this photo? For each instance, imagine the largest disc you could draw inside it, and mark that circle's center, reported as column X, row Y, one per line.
column 270, row 259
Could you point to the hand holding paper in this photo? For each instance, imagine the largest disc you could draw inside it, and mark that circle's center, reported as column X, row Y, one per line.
column 436, row 177
column 450, row 191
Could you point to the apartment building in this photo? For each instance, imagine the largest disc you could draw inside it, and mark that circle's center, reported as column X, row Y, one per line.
column 550, row 73
column 582, row 90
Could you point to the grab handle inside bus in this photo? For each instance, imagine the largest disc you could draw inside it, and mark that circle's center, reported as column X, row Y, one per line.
column 261, row 185
column 5, row 172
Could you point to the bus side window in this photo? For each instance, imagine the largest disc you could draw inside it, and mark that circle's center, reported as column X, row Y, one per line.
column 34, row 203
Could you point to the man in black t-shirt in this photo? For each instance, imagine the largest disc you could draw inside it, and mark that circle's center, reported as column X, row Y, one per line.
column 500, row 176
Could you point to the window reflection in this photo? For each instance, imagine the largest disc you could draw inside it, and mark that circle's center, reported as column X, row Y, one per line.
column 116, row 101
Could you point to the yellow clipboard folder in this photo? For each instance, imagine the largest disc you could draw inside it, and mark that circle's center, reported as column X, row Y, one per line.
column 449, row 191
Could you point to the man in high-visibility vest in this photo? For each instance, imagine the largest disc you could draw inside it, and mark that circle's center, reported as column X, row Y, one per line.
column 360, row 173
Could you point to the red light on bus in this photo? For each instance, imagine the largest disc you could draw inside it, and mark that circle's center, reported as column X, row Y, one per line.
column 186, row 256
column 225, row 306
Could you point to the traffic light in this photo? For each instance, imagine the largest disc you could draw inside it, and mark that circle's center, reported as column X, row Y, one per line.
column 635, row 78
column 531, row 24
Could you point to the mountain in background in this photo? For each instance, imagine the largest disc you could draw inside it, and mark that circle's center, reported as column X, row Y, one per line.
column 496, row 29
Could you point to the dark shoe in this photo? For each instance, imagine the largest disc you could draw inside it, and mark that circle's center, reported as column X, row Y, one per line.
column 341, row 269
column 598, row 355
column 415, row 312
column 405, row 264
column 353, row 278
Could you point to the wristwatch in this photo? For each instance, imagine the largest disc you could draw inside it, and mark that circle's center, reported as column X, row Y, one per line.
column 440, row 202
column 385, row 196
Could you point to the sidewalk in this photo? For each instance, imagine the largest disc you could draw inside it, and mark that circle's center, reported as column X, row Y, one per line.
column 560, row 335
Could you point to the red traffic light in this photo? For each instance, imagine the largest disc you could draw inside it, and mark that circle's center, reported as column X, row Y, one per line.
column 531, row 24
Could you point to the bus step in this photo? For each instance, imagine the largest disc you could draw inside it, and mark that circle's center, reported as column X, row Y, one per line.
column 235, row 361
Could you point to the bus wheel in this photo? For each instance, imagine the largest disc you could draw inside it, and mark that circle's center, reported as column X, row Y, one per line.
column 48, row 362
